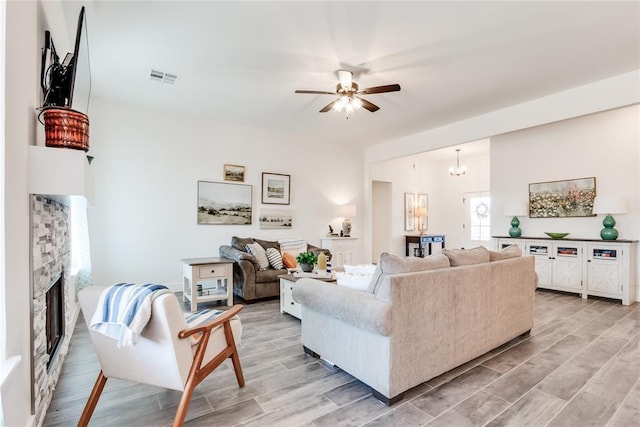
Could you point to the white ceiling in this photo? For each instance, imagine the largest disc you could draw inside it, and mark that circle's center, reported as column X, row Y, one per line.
column 241, row 61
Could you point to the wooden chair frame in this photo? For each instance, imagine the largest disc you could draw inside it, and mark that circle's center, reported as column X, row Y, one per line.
column 197, row 373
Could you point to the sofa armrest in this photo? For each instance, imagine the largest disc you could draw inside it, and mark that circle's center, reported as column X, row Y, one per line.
column 237, row 255
column 352, row 306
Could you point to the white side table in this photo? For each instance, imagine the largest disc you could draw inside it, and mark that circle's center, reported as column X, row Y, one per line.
column 215, row 277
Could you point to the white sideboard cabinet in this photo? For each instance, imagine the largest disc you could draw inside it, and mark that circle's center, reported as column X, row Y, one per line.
column 585, row 266
column 343, row 250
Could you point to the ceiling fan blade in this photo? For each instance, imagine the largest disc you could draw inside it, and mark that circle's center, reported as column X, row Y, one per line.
column 346, row 78
column 368, row 105
column 380, row 89
column 329, row 106
column 316, row 92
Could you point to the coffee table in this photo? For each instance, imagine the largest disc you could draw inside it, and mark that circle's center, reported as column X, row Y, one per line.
column 287, row 304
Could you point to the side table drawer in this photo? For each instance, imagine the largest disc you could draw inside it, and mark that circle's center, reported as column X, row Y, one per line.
column 211, row 271
column 288, row 305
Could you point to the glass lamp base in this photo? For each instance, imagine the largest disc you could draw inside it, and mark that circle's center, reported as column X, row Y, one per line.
column 608, row 232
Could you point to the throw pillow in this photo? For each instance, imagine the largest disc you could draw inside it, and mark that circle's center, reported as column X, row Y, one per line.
column 511, row 251
column 390, row 264
column 258, row 251
column 266, row 244
column 275, row 259
column 459, row 257
column 293, row 247
column 356, row 276
column 289, row 260
column 240, row 243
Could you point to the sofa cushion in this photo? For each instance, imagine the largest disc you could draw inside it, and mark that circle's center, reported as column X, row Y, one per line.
column 275, row 258
column 458, row 257
column 392, row 264
column 266, row 244
column 269, row 275
column 289, row 260
column 240, row 243
column 258, row 251
column 511, row 251
column 293, row 247
column 356, row 276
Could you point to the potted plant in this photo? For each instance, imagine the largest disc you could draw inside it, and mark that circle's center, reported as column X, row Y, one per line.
column 306, row 260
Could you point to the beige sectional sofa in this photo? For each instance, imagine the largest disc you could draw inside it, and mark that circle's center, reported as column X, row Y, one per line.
column 420, row 317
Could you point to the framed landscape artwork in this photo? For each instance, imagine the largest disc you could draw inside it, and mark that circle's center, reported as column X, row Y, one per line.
column 568, row 198
column 221, row 203
column 409, row 212
column 275, row 188
column 233, row 173
column 275, row 219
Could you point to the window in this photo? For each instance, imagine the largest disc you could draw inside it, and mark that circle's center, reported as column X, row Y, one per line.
column 477, row 216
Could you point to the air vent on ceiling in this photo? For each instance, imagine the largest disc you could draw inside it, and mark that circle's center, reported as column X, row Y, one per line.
column 161, row 76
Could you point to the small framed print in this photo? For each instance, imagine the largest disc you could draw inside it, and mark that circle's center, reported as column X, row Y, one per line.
column 279, row 218
column 275, row 188
column 233, row 173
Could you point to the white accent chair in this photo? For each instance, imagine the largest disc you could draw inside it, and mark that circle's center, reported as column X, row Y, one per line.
column 167, row 354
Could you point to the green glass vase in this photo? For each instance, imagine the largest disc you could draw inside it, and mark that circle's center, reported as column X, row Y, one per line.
column 608, row 232
column 515, row 231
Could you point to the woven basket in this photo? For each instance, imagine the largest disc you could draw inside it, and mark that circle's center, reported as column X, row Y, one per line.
column 65, row 128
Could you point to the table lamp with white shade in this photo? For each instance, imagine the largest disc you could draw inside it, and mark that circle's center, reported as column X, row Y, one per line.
column 608, row 205
column 516, row 209
column 421, row 213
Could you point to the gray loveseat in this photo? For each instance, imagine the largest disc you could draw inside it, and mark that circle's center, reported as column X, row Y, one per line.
column 414, row 325
column 249, row 282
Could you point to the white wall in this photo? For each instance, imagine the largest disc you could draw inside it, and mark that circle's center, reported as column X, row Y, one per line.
column 604, row 145
column 603, row 95
column 146, row 167
column 24, row 38
column 425, row 175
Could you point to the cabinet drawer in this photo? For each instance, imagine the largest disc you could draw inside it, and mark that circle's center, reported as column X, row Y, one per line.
column 213, row 270
column 287, row 304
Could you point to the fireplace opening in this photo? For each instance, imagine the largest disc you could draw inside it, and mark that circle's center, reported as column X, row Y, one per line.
column 54, row 316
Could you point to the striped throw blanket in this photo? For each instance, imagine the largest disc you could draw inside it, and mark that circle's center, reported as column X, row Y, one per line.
column 124, row 310
column 202, row 317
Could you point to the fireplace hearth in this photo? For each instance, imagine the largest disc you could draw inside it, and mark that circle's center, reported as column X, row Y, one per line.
column 54, row 317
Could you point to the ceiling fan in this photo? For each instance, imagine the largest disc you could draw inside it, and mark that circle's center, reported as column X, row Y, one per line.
column 348, row 93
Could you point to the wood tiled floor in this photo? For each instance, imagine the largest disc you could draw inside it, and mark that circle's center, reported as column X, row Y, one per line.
column 579, row 367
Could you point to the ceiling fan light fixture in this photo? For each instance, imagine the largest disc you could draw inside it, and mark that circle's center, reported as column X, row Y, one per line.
column 347, row 92
column 342, row 103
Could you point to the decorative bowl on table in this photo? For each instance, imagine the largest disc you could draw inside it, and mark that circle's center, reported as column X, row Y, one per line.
column 556, row 235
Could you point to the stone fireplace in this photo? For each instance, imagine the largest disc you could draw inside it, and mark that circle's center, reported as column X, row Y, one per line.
column 53, row 303
column 54, row 316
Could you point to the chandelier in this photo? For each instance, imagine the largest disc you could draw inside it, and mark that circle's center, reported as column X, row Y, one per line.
column 457, row 171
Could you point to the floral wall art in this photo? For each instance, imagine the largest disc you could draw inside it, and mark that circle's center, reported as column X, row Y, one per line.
column 568, row 198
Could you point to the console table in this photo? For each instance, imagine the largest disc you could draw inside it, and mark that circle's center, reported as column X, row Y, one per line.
column 605, row 268
column 207, row 279
column 424, row 240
